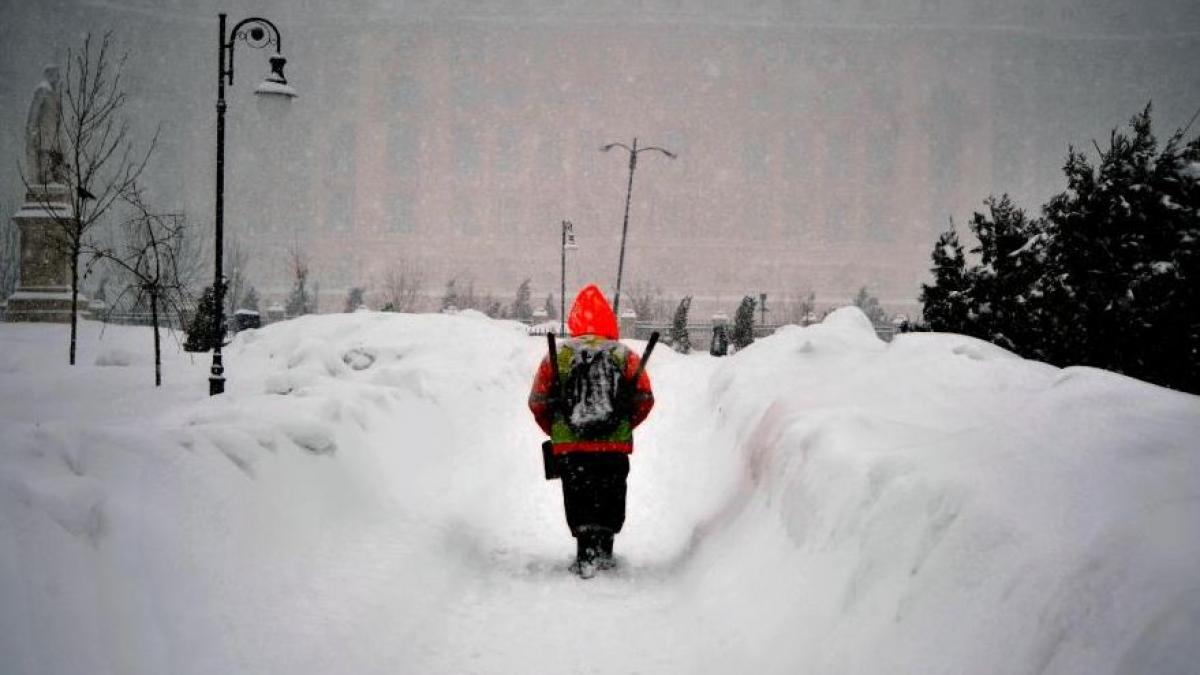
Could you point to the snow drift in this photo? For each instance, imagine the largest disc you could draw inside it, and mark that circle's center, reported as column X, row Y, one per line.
column 367, row 498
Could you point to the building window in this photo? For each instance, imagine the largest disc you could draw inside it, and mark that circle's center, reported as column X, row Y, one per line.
column 466, row 151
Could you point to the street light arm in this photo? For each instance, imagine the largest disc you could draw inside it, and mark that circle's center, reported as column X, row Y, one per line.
column 256, row 32
column 259, row 33
column 633, row 153
column 664, row 151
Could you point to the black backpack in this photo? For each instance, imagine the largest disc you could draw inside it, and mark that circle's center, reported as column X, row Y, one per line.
column 593, row 391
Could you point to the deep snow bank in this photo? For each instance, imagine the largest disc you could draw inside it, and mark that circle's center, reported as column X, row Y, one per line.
column 367, row 498
column 938, row 505
column 300, row 523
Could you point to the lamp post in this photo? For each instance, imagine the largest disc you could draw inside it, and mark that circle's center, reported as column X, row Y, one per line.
column 568, row 242
column 633, row 153
column 257, row 33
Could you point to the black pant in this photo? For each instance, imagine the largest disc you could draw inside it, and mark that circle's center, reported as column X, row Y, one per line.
column 594, row 489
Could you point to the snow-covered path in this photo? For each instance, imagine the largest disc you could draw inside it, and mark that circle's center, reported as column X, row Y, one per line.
column 367, row 498
column 517, row 608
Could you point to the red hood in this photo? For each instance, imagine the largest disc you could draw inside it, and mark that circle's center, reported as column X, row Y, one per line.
column 591, row 315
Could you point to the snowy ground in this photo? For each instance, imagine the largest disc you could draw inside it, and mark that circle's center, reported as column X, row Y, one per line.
column 367, row 498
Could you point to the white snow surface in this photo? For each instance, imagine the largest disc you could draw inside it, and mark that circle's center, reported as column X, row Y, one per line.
column 367, row 498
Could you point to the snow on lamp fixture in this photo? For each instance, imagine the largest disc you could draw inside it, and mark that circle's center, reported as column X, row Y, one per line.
column 275, row 83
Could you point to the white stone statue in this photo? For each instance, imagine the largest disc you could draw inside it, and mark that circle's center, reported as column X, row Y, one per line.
column 43, row 132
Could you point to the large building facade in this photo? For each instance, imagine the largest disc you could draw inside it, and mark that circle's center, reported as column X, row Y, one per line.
column 808, row 160
column 822, row 145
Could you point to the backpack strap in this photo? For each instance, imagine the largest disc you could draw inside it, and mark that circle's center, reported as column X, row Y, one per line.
column 556, row 395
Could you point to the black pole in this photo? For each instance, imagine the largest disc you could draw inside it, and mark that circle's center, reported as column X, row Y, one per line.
column 562, row 292
column 216, row 381
column 625, row 229
column 261, row 33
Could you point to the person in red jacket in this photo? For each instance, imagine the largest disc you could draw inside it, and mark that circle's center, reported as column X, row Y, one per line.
column 590, row 414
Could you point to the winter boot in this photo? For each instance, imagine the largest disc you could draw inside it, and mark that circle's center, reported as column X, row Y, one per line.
column 605, row 560
column 586, row 569
column 588, row 550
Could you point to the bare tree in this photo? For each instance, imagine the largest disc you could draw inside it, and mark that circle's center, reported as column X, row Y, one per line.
column 797, row 308
column 450, row 296
column 299, row 301
column 489, row 304
column 99, row 161
column 461, row 295
column 235, row 261
column 468, row 298
column 401, row 288
column 648, row 302
column 154, row 245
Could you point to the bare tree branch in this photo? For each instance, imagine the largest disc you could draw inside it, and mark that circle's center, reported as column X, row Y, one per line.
column 149, row 255
column 401, row 287
column 101, row 163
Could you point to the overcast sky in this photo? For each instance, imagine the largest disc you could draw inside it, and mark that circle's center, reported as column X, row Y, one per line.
column 822, row 145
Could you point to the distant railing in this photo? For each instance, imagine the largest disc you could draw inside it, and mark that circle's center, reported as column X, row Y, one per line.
column 141, row 319
column 701, row 332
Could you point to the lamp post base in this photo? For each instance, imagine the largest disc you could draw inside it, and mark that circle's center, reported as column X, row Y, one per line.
column 216, row 382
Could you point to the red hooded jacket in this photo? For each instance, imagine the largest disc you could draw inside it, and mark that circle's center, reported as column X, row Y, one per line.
column 591, row 320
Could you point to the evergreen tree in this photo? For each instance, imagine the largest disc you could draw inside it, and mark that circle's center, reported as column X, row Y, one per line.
column 681, row 341
column 521, row 309
column 1108, row 277
column 945, row 304
column 1002, row 283
column 551, row 309
column 743, row 323
column 200, row 334
column 354, row 298
column 870, row 306
column 1123, row 259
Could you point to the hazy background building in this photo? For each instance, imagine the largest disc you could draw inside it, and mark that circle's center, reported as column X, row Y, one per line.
column 822, row 145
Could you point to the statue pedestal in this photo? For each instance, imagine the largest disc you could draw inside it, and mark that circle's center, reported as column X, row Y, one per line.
column 44, row 286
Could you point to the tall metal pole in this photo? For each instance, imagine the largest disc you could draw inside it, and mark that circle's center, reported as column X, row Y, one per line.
column 258, row 33
column 216, row 381
column 562, row 292
column 633, row 153
column 625, row 228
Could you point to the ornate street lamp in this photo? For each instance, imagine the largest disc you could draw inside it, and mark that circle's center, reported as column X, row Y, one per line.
column 633, row 153
column 568, row 244
column 257, row 33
